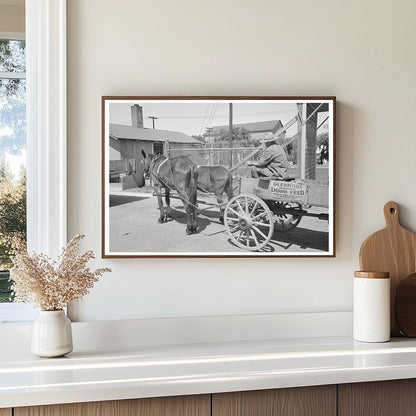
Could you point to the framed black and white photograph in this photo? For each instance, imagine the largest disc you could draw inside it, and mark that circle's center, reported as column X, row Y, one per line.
column 218, row 176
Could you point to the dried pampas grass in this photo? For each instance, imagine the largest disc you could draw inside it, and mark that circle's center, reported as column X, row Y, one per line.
column 53, row 285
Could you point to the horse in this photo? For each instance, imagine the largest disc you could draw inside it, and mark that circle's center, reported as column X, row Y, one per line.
column 217, row 180
column 173, row 174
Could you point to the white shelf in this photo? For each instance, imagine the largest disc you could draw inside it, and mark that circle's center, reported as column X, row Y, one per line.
column 150, row 371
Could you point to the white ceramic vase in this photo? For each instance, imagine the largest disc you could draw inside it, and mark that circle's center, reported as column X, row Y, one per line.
column 52, row 334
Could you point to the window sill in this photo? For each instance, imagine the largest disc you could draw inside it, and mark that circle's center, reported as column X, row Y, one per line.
column 16, row 313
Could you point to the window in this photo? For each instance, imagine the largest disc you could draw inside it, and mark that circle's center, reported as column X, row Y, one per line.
column 12, row 166
column 12, row 155
column 158, row 147
column 46, row 134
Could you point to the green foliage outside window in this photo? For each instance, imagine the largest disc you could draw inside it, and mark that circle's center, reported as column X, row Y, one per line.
column 12, row 223
column 12, row 147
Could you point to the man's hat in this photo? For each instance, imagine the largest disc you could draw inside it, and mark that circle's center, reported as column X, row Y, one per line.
column 272, row 138
column 268, row 139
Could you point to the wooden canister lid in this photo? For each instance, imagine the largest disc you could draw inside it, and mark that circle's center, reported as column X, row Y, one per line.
column 372, row 275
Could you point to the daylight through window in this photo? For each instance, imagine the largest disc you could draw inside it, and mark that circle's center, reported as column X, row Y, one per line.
column 12, row 156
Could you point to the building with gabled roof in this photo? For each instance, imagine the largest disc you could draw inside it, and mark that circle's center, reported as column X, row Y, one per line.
column 256, row 129
column 127, row 142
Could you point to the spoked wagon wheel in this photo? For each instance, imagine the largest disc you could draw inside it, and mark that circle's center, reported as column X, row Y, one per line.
column 285, row 215
column 249, row 222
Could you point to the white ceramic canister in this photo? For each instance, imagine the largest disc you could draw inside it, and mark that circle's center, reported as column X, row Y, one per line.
column 371, row 322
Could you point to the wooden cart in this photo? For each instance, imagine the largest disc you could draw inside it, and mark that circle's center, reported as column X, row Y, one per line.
column 263, row 205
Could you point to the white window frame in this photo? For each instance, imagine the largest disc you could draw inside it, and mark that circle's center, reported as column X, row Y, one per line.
column 46, row 133
column 46, row 125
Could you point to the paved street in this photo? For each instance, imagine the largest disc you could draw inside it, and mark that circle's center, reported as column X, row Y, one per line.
column 134, row 228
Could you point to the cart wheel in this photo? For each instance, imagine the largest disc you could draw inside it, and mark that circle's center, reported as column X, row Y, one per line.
column 286, row 221
column 249, row 222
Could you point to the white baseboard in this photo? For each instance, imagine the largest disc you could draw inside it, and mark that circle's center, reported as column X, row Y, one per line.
column 127, row 334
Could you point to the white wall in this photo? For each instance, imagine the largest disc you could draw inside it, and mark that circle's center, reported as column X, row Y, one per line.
column 12, row 17
column 361, row 51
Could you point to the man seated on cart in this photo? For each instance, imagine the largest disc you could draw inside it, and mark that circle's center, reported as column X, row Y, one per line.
column 273, row 164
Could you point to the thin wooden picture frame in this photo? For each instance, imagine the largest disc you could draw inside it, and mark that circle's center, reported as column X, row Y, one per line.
column 275, row 153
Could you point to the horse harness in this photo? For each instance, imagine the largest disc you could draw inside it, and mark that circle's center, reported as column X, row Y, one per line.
column 156, row 175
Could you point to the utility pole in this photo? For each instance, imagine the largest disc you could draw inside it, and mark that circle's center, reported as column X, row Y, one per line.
column 208, row 132
column 153, row 120
column 230, row 132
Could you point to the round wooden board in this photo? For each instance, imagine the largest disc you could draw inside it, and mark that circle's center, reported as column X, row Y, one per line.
column 405, row 306
column 393, row 250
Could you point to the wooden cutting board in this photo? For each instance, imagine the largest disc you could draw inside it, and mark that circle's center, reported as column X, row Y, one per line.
column 393, row 250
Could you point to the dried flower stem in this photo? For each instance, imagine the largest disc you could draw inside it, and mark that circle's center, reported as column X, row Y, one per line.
column 53, row 285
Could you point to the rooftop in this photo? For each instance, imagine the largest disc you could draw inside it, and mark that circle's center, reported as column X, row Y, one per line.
column 119, row 131
column 255, row 127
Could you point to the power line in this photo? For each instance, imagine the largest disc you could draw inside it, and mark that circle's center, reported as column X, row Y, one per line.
column 225, row 116
column 212, row 115
column 203, row 121
column 208, row 121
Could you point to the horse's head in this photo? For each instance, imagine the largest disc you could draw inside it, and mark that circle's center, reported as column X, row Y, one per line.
column 147, row 161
